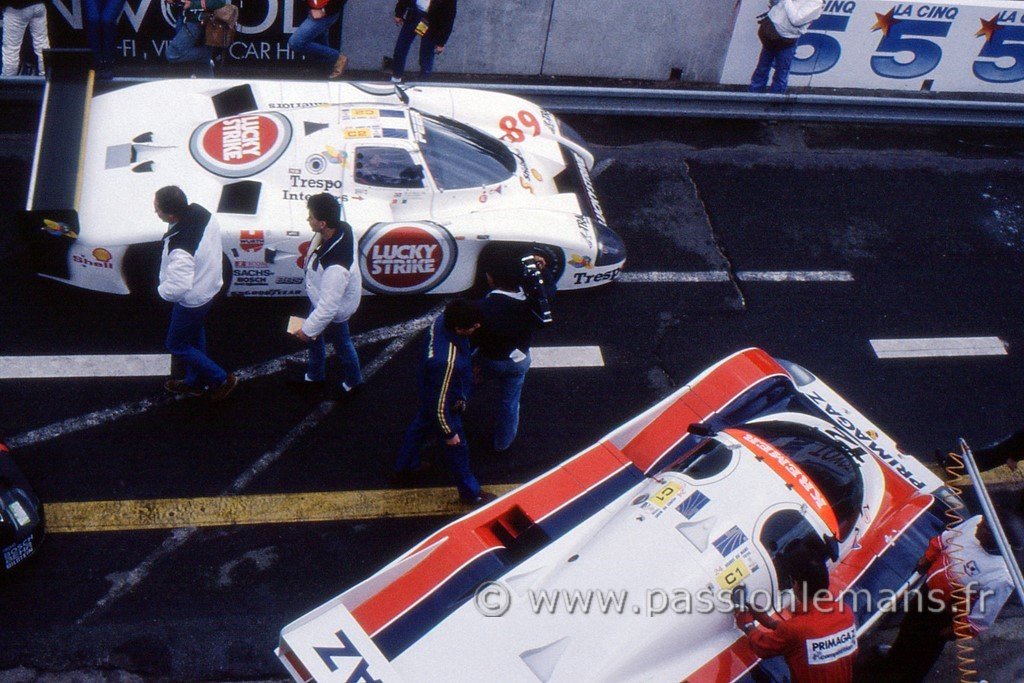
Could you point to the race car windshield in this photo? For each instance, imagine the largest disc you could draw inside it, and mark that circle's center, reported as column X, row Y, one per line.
column 460, row 157
column 830, row 467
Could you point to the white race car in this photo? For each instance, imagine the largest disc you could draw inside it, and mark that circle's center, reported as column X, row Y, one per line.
column 618, row 564
column 432, row 179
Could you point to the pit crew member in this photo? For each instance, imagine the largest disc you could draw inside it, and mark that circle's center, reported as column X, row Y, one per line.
column 445, row 378
column 819, row 640
column 190, row 276
column 334, row 287
column 962, row 568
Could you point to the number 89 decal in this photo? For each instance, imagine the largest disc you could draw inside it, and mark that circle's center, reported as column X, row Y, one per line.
column 510, row 125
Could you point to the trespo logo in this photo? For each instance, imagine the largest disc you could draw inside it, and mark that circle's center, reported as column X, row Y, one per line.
column 240, row 146
column 402, row 258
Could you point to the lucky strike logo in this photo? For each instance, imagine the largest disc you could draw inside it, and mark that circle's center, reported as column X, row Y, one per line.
column 240, row 139
column 240, row 146
column 407, row 258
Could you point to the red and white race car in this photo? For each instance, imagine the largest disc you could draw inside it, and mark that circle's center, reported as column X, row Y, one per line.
column 715, row 487
column 432, row 179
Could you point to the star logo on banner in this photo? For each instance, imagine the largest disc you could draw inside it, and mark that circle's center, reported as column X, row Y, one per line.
column 988, row 28
column 884, row 22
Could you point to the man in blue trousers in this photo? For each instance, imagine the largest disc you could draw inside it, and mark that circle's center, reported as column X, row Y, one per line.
column 445, row 377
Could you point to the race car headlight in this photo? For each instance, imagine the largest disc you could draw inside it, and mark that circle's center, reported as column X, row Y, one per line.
column 610, row 248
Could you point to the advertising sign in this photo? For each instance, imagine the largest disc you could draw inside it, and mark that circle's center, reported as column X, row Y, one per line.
column 937, row 46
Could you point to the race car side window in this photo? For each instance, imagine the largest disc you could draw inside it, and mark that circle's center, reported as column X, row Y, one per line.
column 711, row 458
column 791, row 541
column 387, row 167
column 460, row 157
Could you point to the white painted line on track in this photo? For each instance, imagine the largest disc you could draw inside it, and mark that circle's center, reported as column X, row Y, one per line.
column 131, row 408
column 45, row 367
column 744, row 275
column 939, row 347
column 124, row 583
column 566, row 357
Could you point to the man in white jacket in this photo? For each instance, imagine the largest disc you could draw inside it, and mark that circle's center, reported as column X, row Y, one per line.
column 334, row 286
column 779, row 30
column 190, row 276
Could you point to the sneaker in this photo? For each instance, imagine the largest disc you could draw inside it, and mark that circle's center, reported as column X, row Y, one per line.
column 225, row 389
column 339, row 67
column 483, row 498
column 396, row 79
column 179, row 387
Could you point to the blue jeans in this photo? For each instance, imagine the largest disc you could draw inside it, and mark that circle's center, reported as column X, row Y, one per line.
column 405, row 37
column 510, row 376
column 423, row 429
column 316, row 366
column 100, row 19
column 781, row 59
column 186, row 339
column 310, row 38
column 189, row 45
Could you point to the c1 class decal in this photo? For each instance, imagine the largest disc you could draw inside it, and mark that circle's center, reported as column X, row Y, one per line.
column 240, row 146
column 406, row 258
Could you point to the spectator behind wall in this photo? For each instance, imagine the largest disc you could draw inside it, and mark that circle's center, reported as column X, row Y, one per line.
column 779, row 29
column 18, row 16
column 100, row 20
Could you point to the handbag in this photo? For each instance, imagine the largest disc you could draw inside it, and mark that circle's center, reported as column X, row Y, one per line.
column 221, row 26
column 770, row 37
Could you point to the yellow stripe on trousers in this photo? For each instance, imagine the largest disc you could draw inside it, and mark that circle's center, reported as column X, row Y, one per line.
column 172, row 513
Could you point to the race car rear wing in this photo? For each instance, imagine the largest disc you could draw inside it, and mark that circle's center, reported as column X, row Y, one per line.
column 50, row 222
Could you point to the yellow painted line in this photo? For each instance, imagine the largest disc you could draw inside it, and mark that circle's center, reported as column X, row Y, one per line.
column 173, row 513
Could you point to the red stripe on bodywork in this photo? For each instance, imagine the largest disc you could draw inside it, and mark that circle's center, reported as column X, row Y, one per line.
column 471, row 536
column 705, row 398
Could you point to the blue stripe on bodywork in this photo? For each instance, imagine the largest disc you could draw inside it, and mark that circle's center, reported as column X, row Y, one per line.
column 394, row 639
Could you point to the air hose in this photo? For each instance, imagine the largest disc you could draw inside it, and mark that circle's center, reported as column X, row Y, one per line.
column 962, row 629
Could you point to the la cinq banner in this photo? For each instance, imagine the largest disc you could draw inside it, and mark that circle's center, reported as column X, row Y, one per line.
column 145, row 26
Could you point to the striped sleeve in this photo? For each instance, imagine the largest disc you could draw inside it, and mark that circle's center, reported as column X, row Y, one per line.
column 443, row 407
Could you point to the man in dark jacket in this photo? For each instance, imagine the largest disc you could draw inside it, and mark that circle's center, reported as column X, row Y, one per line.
column 444, row 378
column 190, row 276
column 509, row 317
column 432, row 21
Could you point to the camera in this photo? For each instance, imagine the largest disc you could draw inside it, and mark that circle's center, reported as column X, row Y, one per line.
column 534, row 287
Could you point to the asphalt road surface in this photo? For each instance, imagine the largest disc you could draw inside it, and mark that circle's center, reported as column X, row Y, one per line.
column 907, row 233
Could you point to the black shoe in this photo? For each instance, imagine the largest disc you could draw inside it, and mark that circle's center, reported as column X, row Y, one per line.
column 300, row 383
column 341, row 393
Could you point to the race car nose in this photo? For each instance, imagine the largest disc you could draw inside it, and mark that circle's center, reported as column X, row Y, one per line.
column 611, row 250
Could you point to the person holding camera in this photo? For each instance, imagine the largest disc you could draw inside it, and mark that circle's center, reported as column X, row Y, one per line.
column 779, row 30
column 189, row 41
column 517, row 306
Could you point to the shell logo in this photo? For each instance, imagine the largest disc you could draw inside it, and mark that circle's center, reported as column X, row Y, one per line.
column 241, row 146
column 101, row 255
column 404, row 258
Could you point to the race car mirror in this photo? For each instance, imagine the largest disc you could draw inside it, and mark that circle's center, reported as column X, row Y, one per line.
column 701, row 429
